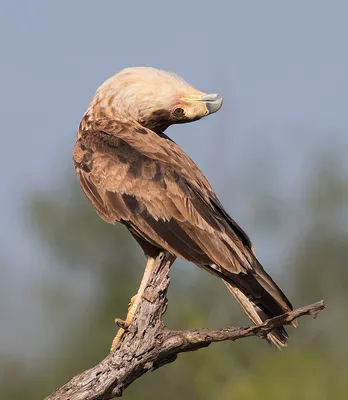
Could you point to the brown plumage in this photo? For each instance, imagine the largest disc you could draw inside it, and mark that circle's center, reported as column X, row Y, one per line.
column 133, row 173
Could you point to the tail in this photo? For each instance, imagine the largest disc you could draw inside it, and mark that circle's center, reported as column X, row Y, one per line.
column 261, row 299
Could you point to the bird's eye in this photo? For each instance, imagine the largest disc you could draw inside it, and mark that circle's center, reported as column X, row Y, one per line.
column 179, row 112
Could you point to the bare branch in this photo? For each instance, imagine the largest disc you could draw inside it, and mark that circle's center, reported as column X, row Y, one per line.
column 148, row 344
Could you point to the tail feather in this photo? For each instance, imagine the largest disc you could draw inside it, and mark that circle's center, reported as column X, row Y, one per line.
column 271, row 287
column 259, row 296
column 258, row 316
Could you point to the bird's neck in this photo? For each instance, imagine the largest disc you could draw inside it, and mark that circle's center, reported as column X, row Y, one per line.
column 158, row 121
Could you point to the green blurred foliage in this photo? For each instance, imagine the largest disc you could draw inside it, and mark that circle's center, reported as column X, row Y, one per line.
column 312, row 367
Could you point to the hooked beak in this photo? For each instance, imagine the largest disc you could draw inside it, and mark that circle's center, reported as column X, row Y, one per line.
column 213, row 102
column 199, row 105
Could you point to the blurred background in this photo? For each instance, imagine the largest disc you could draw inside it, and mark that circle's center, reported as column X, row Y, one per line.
column 276, row 154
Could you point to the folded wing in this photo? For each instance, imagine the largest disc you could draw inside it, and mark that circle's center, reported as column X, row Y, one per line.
column 159, row 193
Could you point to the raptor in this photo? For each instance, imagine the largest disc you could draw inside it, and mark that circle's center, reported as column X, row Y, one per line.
column 134, row 174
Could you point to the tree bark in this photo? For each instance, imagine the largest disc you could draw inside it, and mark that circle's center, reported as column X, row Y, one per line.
column 149, row 345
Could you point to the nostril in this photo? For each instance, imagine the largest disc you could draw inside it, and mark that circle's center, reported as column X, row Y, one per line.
column 211, row 97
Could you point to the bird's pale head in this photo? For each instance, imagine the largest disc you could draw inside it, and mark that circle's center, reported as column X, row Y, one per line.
column 152, row 97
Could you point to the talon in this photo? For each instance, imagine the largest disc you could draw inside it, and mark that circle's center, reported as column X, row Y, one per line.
column 122, row 324
column 131, row 301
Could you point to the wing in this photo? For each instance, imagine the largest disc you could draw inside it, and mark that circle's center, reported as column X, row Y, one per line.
column 160, row 193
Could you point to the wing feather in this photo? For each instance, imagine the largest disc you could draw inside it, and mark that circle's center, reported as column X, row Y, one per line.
column 171, row 202
column 149, row 184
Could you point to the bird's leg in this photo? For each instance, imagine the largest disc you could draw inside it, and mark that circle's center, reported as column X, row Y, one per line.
column 134, row 303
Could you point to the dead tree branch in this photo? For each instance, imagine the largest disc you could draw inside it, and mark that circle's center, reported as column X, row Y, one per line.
column 148, row 344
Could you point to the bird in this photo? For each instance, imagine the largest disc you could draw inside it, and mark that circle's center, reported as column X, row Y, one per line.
column 133, row 173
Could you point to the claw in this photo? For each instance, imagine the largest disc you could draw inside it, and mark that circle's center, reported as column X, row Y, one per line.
column 131, row 302
column 122, row 324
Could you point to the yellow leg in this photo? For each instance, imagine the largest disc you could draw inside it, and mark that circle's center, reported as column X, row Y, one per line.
column 134, row 303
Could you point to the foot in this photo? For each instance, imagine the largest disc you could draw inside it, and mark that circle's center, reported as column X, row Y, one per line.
column 123, row 325
column 133, row 305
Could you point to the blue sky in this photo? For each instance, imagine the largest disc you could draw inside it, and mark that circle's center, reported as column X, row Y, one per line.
column 281, row 67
